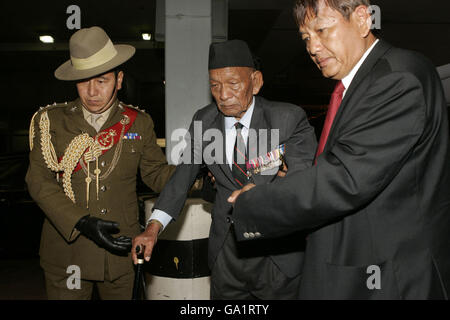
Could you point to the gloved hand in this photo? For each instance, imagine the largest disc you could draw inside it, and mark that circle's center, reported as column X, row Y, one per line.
column 100, row 231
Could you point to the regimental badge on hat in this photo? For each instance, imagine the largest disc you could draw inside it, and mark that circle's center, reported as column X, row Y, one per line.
column 265, row 162
column 92, row 53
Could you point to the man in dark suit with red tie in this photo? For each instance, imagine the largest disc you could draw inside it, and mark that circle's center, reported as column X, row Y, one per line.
column 377, row 198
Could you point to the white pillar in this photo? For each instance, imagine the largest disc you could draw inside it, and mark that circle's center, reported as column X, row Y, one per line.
column 187, row 36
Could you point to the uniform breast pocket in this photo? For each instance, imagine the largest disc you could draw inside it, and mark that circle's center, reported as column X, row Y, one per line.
column 130, row 158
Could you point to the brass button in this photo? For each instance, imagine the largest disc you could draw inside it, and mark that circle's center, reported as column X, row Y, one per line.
column 257, row 234
column 251, row 235
column 103, row 163
column 103, row 211
column 246, row 235
column 103, row 188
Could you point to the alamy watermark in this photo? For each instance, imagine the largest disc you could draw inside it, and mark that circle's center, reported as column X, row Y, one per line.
column 74, row 20
column 73, row 282
column 374, row 280
column 375, row 13
column 196, row 146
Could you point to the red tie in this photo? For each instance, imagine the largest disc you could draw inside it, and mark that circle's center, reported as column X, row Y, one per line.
column 335, row 102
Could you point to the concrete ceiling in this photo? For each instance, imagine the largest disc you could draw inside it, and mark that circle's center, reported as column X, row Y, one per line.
column 267, row 25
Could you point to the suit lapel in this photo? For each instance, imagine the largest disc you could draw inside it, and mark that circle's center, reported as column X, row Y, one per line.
column 378, row 51
column 219, row 124
column 257, row 123
column 259, row 141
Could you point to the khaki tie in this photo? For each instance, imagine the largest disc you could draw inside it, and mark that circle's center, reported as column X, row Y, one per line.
column 96, row 121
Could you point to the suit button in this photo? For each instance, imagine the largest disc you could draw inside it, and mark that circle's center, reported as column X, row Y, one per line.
column 103, row 211
column 246, row 235
column 228, row 220
column 257, row 234
column 251, row 235
column 103, row 188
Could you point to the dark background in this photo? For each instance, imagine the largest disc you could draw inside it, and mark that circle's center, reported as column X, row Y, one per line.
column 27, row 66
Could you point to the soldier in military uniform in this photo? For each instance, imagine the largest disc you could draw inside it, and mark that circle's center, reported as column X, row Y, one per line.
column 83, row 166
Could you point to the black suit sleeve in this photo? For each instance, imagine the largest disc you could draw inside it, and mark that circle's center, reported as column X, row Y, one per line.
column 301, row 145
column 371, row 147
column 174, row 194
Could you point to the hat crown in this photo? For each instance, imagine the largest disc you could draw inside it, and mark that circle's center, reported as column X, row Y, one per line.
column 92, row 53
column 87, row 42
column 231, row 53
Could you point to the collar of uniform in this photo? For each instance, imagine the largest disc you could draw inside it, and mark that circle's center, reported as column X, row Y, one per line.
column 245, row 120
column 87, row 115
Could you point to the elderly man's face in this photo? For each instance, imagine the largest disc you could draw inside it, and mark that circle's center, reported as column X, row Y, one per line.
column 233, row 89
column 334, row 43
column 96, row 93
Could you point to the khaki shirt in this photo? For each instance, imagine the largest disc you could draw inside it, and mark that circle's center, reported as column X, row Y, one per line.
column 98, row 119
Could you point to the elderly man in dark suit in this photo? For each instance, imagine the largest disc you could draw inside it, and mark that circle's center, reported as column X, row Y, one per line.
column 264, row 269
column 378, row 197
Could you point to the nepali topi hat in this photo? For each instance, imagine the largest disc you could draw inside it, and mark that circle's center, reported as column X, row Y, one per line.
column 92, row 53
column 233, row 53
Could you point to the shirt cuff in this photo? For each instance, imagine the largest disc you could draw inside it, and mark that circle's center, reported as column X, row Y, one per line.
column 162, row 217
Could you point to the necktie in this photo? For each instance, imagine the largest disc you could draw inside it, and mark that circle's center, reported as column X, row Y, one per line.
column 96, row 121
column 335, row 102
column 239, row 168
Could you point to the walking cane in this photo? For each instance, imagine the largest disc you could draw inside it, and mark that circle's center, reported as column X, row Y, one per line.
column 138, row 277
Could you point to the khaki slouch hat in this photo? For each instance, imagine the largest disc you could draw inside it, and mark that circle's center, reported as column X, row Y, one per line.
column 92, row 53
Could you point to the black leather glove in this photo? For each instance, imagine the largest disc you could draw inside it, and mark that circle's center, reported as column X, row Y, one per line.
column 100, row 231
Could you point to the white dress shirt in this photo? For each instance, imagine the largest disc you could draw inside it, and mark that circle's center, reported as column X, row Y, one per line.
column 230, row 131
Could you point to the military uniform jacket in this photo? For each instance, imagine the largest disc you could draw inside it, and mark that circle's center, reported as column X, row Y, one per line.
column 61, row 244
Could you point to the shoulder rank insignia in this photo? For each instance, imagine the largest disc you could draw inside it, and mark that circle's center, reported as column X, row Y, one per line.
column 31, row 133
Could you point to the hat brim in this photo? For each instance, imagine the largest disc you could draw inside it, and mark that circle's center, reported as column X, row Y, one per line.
column 68, row 73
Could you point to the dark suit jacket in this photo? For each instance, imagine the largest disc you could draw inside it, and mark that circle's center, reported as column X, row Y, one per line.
column 294, row 131
column 379, row 194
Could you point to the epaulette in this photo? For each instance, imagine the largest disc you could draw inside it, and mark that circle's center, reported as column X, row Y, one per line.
column 47, row 107
column 54, row 105
column 132, row 107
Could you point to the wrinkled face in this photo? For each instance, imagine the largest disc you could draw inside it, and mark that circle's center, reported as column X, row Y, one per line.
column 96, row 94
column 334, row 43
column 233, row 89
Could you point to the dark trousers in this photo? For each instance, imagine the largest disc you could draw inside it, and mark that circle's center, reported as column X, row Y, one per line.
column 236, row 275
